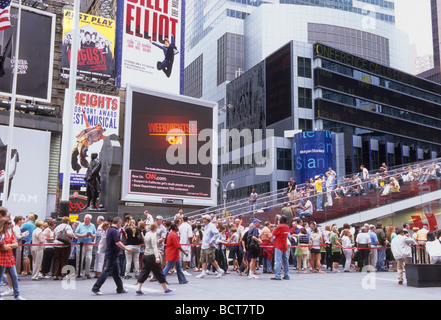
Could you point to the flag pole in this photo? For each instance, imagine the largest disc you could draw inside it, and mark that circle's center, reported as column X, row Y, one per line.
column 5, row 193
column 69, row 103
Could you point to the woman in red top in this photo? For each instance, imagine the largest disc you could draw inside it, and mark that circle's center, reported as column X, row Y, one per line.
column 7, row 261
column 172, row 249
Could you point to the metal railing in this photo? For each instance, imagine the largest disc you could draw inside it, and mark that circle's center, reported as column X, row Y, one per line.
column 364, row 194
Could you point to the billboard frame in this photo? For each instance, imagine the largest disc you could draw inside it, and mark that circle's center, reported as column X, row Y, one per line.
column 166, row 198
column 51, row 57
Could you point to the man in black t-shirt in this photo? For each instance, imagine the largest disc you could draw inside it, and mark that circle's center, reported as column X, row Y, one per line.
column 114, row 245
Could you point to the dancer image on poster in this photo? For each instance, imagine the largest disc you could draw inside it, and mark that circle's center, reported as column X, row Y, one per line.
column 85, row 138
column 169, row 50
column 12, row 166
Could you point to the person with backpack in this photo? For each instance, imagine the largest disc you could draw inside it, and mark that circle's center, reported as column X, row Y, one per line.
column 253, row 249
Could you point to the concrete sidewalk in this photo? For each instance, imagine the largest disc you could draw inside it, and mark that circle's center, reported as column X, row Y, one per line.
column 310, row 286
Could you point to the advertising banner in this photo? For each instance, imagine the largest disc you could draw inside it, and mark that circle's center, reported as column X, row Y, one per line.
column 36, row 50
column 168, row 149
column 28, row 170
column 95, row 116
column 149, row 44
column 314, row 154
column 96, row 45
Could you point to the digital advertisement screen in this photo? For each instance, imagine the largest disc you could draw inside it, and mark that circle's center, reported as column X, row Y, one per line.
column 314, row 154
column 278, row 85
column 168, row 148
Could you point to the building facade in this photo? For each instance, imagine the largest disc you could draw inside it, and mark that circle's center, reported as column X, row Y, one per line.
column 242, row 74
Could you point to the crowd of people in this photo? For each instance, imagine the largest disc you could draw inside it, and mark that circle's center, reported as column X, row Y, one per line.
column 155, row 248
column 321, row 190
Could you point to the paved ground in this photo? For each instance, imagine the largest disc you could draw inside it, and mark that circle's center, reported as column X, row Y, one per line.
column 231, row 287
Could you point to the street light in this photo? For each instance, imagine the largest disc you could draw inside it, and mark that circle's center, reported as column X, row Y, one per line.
column 224, row 190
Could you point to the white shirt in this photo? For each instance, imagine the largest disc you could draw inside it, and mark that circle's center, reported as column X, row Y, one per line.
column 400, row 247
column 185, row 233
column 433, row 248
column 363, row 238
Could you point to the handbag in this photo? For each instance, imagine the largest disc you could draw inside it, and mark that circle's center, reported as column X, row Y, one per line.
column 64, row 238
column 298, row 251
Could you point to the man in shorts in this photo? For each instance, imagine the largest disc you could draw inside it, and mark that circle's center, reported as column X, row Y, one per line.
column 253, row 249
column 208, row 247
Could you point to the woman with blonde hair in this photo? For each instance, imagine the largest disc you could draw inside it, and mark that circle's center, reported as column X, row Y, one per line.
column 152, row 261
column 38, row 238
column 48, row 254
column 390, row 235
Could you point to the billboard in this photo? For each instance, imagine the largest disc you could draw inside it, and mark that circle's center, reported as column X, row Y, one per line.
column 278, row 82
column 314, row 154
column 29, row 170
column 168, row 149
column 94, row 116
column 150, row 44
column 96, row 45
column 36, row 50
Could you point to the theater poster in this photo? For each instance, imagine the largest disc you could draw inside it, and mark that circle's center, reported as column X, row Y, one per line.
column 94, row 116
column 150, row 43
column 169, row 149
column 96, row 45
column 36, row 54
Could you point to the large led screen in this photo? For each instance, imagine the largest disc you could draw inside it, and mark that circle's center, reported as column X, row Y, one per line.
column 278, row 85
column 168, row 148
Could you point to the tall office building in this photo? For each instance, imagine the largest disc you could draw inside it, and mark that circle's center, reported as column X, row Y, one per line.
column 224, row 38
column 259, row 61
column 434, row 74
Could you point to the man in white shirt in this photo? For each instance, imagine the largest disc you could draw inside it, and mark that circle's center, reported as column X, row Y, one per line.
column 306, row 210
column 363, row 241
column 148, row 219
column 186, row 236
column 402, row 251
column 329, row 187
column 208, row 247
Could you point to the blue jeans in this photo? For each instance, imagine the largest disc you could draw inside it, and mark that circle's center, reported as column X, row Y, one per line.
column 171, row 264
column 111, row 269
column 267, row 265
column 14, row 279
column 319, row 201
column 381, row 259
column 281, row 257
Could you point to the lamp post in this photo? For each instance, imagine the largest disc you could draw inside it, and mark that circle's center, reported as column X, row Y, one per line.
column 224, row 190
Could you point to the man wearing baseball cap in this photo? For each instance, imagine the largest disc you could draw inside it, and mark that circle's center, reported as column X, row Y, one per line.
column 253, row 247
column 208, row 247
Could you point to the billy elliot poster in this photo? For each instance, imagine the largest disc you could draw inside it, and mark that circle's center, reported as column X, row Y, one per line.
column 149, row 44
column 95, row 116
column 96, row 45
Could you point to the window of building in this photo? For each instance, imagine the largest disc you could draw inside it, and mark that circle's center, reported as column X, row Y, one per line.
column 305, row 124
column 305, row 98
column 284, row 159
column 304, row 67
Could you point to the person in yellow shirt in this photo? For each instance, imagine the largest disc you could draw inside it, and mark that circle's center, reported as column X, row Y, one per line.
column 319, row 192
